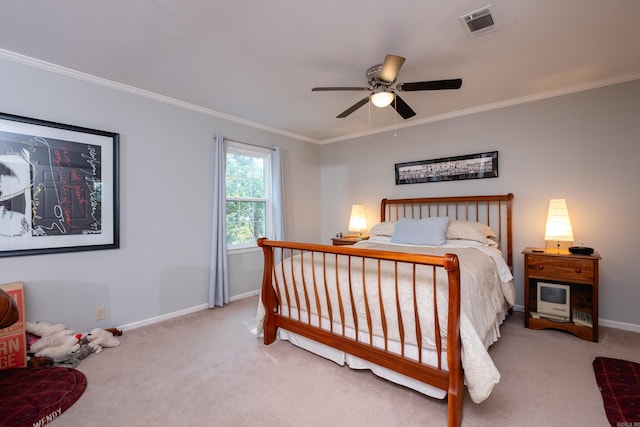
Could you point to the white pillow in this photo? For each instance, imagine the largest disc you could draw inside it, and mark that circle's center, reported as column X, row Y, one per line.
column 426, row 231
column 470, row 230
column 383, row 229
column 380, row 239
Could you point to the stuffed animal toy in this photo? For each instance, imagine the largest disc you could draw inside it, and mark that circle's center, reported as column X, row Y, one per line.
column 42, row 329
column 55, row 345
column 64, row 337
column 37, row 362
column 74, row 357
column 84, row 352
column 59, row 350
column 99, row 338
column 115, row 331
column 55, row 340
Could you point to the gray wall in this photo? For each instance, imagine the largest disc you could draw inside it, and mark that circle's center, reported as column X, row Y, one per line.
column 584, row 147
column 165, row 205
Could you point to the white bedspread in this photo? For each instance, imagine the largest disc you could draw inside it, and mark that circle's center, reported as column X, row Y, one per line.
column 485, row 296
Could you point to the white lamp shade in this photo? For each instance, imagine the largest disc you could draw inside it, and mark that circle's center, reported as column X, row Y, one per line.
column 382, row 99
column 357, row 222
column 558, row 222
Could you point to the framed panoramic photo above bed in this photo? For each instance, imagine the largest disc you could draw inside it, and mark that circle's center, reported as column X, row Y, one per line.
column 470, row 166
column 58, row 187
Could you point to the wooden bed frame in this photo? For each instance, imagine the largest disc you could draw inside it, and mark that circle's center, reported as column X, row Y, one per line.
column 495, row 211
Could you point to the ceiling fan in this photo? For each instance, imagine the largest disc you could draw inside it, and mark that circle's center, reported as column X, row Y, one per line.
column 380, row 78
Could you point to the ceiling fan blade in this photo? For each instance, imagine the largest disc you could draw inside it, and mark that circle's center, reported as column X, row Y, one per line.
column 353, row 108
column 391, row 67
column 402, row 108
column 431, row 85
column 320, row 89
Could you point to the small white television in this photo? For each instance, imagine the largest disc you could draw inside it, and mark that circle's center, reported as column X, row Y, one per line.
column 554, row 300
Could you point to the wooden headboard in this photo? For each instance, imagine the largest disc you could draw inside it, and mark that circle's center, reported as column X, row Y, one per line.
column 495, row 211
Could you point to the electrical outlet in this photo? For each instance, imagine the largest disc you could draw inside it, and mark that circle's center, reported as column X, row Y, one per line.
column 100, row 312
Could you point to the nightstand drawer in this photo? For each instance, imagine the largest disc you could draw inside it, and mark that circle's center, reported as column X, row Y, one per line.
column 561, row 268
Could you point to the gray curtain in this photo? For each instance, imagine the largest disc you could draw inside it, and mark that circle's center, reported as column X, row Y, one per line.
column 278, row 208
column 218, row 266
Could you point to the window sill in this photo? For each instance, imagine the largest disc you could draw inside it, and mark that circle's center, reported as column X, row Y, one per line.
column 243, row 250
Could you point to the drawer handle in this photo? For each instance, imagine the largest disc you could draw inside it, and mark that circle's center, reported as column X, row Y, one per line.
column 540, row 267
column 578, row 270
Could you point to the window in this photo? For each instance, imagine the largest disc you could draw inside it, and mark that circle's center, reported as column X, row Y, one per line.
column 248, row 186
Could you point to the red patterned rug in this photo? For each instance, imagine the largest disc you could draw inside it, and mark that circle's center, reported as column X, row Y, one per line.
column 37, row 396
column 619, row 383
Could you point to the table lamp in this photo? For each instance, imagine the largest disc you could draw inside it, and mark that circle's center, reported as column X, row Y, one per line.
column 357, row 221
column 558, row 223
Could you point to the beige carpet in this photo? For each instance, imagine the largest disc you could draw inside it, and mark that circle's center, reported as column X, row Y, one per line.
column 206, row 369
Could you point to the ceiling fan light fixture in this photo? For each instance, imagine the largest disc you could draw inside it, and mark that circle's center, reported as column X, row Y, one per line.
column 382, row 93
column 382, row 99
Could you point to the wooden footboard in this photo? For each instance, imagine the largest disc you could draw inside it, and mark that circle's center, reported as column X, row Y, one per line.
column 321, row 304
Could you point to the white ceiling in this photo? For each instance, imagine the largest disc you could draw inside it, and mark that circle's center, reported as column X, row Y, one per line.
column 256, row 61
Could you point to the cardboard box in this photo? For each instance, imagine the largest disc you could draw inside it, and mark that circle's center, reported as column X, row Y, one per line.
column 13, row 339
column 13, row 351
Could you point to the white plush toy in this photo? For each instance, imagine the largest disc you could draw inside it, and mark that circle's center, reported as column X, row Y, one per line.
column 43, row 329
column 55, row 340
column 68, row 346
column 60, row 338
column 99, row 338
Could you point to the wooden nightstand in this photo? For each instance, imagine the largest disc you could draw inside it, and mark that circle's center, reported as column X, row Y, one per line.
column 345, row 241
column 579, row 272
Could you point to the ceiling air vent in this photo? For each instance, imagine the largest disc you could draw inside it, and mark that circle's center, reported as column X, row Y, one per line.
column 480, row 21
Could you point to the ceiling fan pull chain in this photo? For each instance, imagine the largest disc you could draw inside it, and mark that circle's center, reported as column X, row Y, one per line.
column 395, row 116
column 369, row 106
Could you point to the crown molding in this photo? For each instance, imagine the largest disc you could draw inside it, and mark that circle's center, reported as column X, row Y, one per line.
column 78, row 75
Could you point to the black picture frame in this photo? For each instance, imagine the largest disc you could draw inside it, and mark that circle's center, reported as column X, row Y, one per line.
column 470, row 166
column 59, row 187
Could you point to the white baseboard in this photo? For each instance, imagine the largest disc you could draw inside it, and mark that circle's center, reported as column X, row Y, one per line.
column 172, row 315
column 619, row 325
column 245, row 295
column 163, row 317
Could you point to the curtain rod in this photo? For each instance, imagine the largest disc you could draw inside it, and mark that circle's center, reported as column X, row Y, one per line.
column 248, row 143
